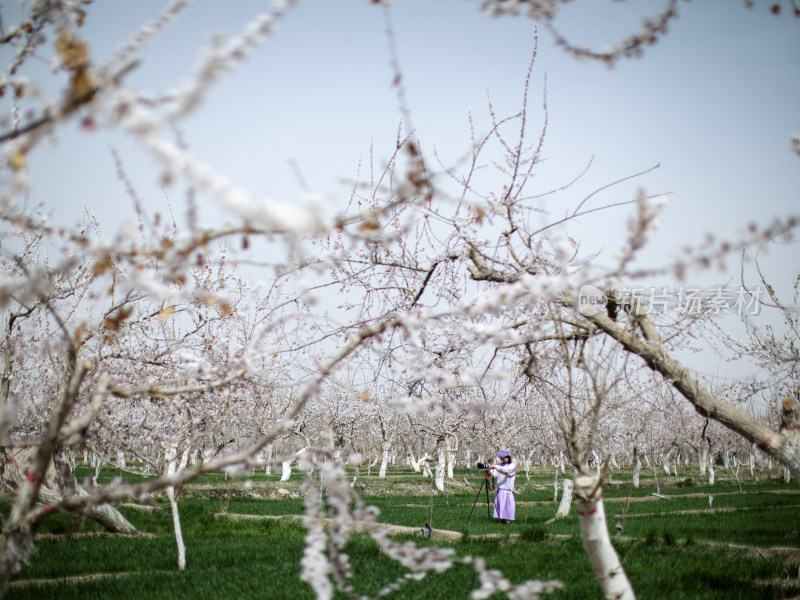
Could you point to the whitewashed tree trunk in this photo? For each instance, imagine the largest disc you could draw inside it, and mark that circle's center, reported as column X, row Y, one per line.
column 58, row 483
column 121, row 459
column 173, row 504
column 710, row 470
column 469, row 458
column 384, row 462
column 426, row 468
column 555, row 482
column 424, row 464
column 655, row 476
column 787, row 475
column 97, row 464
column 665, row 461
column 451, row 460
column 703, row 461
column 637, row 471
column 413, row 462
column 440, row 468
column 566, row 499
column 752, row 460
column 597, row 544
column 372, row 464
column 286, row 470
column 184, row 459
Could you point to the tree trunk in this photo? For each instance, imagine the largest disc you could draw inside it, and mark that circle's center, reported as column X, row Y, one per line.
column 59, row 477
column 424, row 464
column 711, row 470
column 597, row 544
column 555, row 482
column 440, row 467
column 286, row 472
column 18, row 471
column 566, row 499
column 413, row 462
column 703, row 461
column 268, row 469
column 384, row 462
column 637, row 470
column 172, row 469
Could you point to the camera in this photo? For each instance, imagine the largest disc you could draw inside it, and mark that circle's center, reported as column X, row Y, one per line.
column 484, row 466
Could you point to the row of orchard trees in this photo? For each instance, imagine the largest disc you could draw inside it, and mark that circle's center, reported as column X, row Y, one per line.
column 653, row 433
column 457, row 328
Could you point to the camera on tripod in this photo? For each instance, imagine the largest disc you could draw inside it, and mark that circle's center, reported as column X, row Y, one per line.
column 484, row 466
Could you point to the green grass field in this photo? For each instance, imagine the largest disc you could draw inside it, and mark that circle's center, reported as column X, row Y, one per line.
column 744, row 545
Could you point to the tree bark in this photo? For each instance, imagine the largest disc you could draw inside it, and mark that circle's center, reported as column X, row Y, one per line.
column 384, row 461
column 413, row 462
column 555, row 482
column 566, row 499
column 286, row 470
column 597, row 544
column 173, row 505
column 440, row 465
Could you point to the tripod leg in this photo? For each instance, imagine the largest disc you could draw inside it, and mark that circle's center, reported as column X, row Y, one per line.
column 478, row 495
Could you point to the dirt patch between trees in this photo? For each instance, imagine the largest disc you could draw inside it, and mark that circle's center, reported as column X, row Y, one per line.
column 78, row 578
column 436, row 534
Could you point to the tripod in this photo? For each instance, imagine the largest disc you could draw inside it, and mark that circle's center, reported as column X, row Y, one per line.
column 488, row 485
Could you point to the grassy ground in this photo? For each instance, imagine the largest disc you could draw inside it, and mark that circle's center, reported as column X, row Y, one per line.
column 743, row 545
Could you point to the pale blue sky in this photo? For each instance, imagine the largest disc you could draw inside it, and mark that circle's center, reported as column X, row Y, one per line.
column 715, row 103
